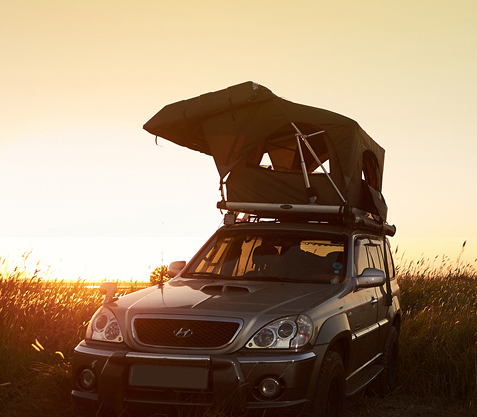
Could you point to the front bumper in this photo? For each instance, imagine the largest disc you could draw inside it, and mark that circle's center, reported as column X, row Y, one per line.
column 126, row 379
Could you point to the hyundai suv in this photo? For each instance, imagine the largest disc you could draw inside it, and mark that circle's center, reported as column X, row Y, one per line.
column 269, row 316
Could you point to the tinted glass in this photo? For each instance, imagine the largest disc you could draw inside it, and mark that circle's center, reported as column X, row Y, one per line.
column 281, row 256
column 368, row 254
column 391, row 270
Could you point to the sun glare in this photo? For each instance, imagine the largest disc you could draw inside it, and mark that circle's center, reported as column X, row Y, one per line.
column 96, row 259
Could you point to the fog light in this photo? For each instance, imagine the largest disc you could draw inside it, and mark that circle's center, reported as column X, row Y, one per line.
column 269, row 388
column 87, row 379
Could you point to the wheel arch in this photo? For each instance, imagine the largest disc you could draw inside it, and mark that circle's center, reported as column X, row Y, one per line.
column 335, row 332
column 397, row 321
column 342, row 344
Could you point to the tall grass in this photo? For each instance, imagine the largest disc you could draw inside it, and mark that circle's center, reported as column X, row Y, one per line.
column 42, row 320
column 439, row 328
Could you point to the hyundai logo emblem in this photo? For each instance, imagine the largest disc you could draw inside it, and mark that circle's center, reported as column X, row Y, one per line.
column 182, row 332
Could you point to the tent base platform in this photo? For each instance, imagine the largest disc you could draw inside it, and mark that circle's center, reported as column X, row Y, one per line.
column 344, row 215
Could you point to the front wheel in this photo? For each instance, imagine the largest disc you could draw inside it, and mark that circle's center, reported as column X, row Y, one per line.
column 390, row 360
column 330, row 393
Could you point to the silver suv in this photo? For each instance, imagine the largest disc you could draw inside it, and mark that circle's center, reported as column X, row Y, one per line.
column 269, row 315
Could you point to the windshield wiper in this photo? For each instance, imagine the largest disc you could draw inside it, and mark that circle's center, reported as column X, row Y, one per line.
column 205, row 274
column 267, row 278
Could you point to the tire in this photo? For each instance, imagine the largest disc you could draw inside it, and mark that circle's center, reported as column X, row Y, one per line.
column 387, row 380
column 330, row 393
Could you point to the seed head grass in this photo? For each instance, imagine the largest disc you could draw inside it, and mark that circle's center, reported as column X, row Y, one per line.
column 43, row 319
column 439, row 328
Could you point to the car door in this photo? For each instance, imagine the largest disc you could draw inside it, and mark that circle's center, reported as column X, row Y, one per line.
column 363, row 314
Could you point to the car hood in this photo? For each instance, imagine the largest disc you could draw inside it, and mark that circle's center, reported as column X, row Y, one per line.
column 226, row 298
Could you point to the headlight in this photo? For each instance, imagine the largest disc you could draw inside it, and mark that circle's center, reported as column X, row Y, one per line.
column 285, row 333
column 304, row 331
column 104, row 326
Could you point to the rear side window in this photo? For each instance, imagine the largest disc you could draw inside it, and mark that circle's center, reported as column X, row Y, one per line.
column 391, row 269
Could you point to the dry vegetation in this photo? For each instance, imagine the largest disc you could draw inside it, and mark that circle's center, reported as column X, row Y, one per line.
column 41, row 321
column 439, row 331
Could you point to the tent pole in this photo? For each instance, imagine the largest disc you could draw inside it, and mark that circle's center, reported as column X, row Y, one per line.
column 303, row 137
column 312, row 198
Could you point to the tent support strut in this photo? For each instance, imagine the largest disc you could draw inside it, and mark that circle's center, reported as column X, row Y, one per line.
column 311, row 195
column 303, row 137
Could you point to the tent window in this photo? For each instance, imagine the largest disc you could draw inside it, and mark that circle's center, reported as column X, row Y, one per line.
column 326, row 165
column 281, row 153
column 266, row 162
column 370, row 170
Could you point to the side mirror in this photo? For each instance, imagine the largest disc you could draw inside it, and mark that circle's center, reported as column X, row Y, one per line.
column 175, row 268
column 109, row 289
column 371, row 277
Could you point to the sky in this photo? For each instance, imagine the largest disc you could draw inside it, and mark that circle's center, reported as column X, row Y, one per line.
column 87, row 192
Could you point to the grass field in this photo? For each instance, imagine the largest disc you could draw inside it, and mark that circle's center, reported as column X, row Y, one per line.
column 42, row 320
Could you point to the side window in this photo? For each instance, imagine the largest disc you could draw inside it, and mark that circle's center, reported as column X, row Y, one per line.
column 361, row 258
column 368, row 254
column 376, row 255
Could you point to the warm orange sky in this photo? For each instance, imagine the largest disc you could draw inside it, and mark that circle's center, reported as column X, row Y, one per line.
column 86, row 188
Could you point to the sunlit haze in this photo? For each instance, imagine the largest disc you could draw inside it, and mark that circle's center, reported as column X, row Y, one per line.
column 90, row 194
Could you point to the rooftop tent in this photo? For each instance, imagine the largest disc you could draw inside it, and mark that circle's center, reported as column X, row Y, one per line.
column 312, row 156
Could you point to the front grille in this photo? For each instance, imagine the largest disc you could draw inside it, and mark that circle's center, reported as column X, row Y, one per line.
column 187, row 333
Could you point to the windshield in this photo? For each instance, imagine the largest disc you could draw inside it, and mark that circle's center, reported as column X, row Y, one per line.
column 279, row 255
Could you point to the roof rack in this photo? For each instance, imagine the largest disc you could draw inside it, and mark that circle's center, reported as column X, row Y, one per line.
column 341, row 215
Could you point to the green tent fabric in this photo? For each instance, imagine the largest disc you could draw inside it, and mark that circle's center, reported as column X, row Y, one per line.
column 242, row 123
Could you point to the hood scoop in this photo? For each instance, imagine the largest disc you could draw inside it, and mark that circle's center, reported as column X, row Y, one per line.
column 225, row 289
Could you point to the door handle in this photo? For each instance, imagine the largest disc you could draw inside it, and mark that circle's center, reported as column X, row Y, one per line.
column 374, row 300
